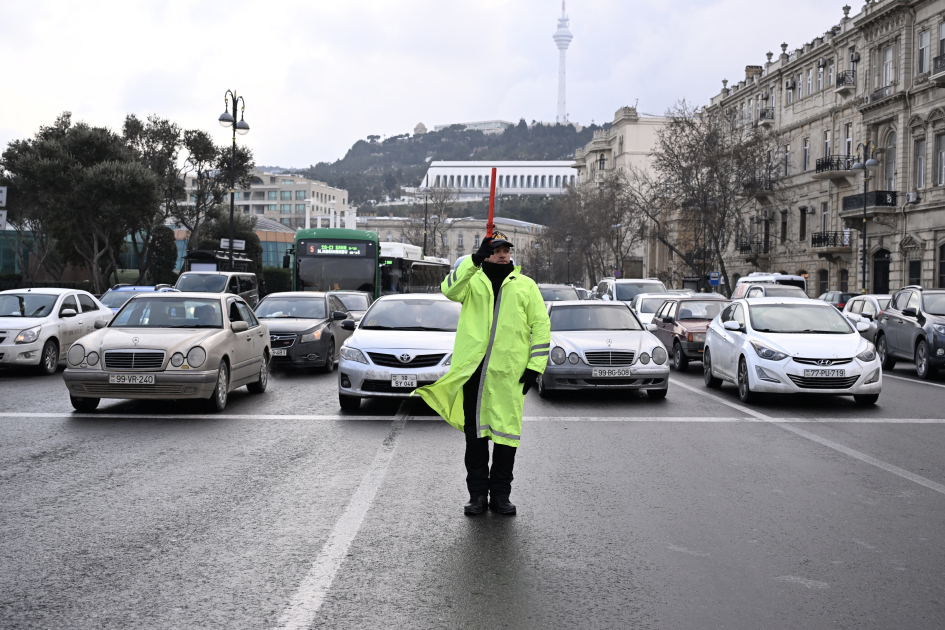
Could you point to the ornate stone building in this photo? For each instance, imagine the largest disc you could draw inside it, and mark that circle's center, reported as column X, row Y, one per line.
column 872, row 85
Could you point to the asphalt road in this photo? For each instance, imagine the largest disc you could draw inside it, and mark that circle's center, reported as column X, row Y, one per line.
column 692, row 512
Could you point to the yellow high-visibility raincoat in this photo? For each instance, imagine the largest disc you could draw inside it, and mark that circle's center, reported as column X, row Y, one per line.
column 512, row 336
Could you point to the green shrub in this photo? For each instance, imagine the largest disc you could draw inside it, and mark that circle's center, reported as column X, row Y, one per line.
column 277, row 279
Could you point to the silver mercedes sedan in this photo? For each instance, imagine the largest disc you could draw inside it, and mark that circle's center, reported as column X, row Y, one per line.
column 600, row 345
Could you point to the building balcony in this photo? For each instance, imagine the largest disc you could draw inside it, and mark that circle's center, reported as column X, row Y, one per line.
column 938, row 70
column 759, row 187
column 880, row 94
column 766, row 117
column 877, row 202
column 831, row 242
column 753, row 250
column 846, row 82
column 835, row 167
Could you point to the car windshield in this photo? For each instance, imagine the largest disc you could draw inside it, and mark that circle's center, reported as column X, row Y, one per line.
column 26, row 304
column 201, row 283
column 438, row 315
column 883, row 304
column 626, row 291
column 934, row 303
column 115, row 299
column 559, row 294
column 650, row 305
column 593, row 317
column 353, row 301
column 780, row 290
column 301, row 308
column 701, row 310
column 798, row 319
column 169, row 312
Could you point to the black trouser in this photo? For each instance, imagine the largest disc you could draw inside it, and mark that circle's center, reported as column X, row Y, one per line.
column 479, row 479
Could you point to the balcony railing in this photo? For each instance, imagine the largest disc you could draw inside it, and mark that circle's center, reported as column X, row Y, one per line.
column 830, row 239
column 880, row 94
column 875, row 198
column 938, row 64
column 757, row 184
column 766, row 113
column 846, row 79
column 835, row 163
column 754, row 247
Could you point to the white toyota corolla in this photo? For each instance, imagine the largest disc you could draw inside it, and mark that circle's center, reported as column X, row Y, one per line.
column 402, row 342
column 789, row 345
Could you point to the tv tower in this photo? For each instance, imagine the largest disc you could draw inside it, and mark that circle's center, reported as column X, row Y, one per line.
column 562, row 38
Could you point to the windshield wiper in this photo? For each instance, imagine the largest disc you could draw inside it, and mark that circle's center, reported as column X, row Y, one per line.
column 379, row 328
column 188, row 326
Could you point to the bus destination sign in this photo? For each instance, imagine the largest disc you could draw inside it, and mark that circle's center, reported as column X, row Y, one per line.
column 335, row 249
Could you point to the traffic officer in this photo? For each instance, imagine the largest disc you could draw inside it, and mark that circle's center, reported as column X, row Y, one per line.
column 501, row 348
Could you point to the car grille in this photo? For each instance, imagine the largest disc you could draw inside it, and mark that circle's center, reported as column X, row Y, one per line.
column 609, row 357
column 105, row 390
column 281, row 341
column 134, row 359
column 623, row 381
column 832, row 363
column 824, row 383
column 421, row 360
column 385, row 386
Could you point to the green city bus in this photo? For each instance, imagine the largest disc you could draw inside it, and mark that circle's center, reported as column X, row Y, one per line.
column 332, row 259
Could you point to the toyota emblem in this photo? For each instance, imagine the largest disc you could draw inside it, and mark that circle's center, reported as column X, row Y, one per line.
column 134, row 341
column 405, row 358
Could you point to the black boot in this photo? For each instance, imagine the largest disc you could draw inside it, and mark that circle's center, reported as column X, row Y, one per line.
column 502, row 505
column 477, row 504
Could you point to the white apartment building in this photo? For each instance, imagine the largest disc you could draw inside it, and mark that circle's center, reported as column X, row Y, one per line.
column 487, row 127
column 472, row 180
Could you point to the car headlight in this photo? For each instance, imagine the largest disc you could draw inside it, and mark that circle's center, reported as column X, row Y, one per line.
column 659, row 355
column 92, row 358
column 196, row 357
column 76, row 354
column 449, row 358
column 867, row 355
column 939, row 328
column 177, row 359
column 645, row 358
column 574, row 358
column 765, row 352
column 29, row 335
column 352, row 354
column 558, row 355
column 311, row 337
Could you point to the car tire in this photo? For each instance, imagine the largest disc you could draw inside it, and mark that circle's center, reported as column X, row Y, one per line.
column 543, row 392
column 329, row 366
column 349, row 403
column 85, row 405
column 865, row 399
column 744, row 388
column 656, row 394
column 885, row 361
column 49, row 359
column 923, row 366
column 220, row 393
column 710, row 380
column 680, row 360
column 260, row 386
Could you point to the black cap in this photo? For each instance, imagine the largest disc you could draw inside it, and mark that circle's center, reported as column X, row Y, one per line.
column 499, row 239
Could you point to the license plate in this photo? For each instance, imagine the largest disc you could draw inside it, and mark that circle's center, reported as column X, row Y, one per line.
column 610, row 372
column 824, row 373
column 131, row 379
column 403, row 380
column 278, row 352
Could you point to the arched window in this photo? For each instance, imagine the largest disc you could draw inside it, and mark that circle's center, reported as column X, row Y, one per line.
column 542, row 181
column 572, row 180
column 844, row 280
column 528, row 182
column 465, row 181
column 437, row 184
column 451, row 181
column 515, row 181
column 822, row 276
column 480, row 181
column 557, row 181
column 890, row 158
column 508, row 181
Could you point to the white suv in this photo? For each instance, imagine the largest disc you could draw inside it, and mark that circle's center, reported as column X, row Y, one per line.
column 624, row 289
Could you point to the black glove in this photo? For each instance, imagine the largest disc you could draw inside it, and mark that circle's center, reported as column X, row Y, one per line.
column 485, row 251
column 529, row 378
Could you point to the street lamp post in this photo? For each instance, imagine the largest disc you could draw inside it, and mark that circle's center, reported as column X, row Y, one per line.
column 229, row 120
column 869, row 148
column 434, row 221
column 567, row 239
column 425, row 190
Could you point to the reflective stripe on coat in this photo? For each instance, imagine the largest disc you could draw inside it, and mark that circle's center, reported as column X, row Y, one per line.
column 514, row 335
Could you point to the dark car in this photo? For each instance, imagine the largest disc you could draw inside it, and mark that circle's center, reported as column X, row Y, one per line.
column 681, row 324
column 304, row 328
column 558, row 293
column 357, row 302
column 912, row 328
column 838, row 298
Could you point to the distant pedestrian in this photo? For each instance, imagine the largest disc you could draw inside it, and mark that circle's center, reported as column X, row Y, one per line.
column 501, row 348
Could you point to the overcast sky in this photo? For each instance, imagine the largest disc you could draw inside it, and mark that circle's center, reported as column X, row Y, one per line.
column 318, row 75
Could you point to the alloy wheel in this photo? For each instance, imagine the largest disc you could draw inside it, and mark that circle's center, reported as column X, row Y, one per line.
column 50, row 359
column 330, row 359
column 743, row 391
column 922, row 360
column 221, row 387
column 264, row 373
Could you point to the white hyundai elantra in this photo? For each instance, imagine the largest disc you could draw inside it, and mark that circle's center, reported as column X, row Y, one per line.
column 789, row 346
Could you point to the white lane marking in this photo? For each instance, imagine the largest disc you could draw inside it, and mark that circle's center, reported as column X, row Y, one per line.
column 810, row 584
column 912, row 380
column 315, row 585
column 187, row 416
column 787, row 426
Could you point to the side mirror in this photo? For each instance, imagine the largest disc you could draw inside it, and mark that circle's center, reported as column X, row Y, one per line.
column 339, row 316
column 908, row 312
column 68, row 312
column 862, row 326
column 239, row 327
column 286, row 261
column 731, row 325
column 100, row 323
column 348, row 324
column 866, row 316
column 651, row 327
column 667, row 320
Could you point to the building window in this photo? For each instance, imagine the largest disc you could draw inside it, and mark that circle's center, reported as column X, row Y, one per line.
column 888, row 69
column 787, row 160
column 806, row 159
column 923, row 61
column 286, row 221
column 272, row 207
column 286, row 195
column 824, row 216
column 802, row 227
column 446, row 240
column 915, row 272
column 820, row 78
column 572, row 180
column 940, row 159
column 300, row 194
column 822, row 276
column 920, row 164
column 403, row 238
column 844, row 280
column 390, row 237
column 790, row 97
column 848, row 138
column 784, row 226
column 542, row 181
column 941, row 267
column 288, row 181
column 437, row 182
column 800, row 86
column 459, row 240
column 300, row 207
column 830, row 73
column 891, row 162
column 810, row 81
column 285, row 208
column 476, row 245
column 451, row 181
column 827, row 143
column 941, row 38
column 515, row 181
column 273, row 195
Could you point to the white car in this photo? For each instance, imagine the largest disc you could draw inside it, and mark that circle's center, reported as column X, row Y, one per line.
column 402, row 342
column 37, row 326
column 790, row 345
column 645, row 305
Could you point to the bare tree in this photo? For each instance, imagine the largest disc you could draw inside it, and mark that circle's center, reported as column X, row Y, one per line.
column 441, row 206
